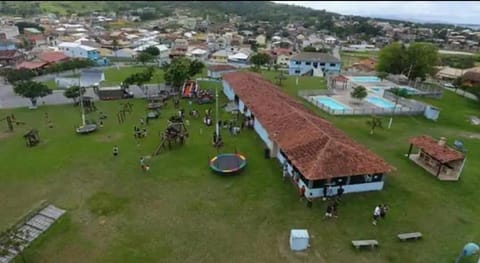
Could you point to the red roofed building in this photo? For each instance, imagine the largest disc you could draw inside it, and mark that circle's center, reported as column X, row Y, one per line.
column 10, row 57
column 53, row 57
column 437, row 157
column 33, row 65
column 315, row 153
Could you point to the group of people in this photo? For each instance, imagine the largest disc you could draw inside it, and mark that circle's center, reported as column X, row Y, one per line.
column 230, row 125
column 143, row 165
column 248, row 122
column 380, row 211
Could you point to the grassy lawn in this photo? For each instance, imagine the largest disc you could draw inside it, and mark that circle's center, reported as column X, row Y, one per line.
column 181, row 212
column 114, row 76
column 304, row 82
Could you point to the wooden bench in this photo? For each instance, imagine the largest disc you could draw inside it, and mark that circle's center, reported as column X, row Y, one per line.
column 365, row 243
column 409, row 236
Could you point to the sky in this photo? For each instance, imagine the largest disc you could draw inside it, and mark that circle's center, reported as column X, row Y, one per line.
column 461, row 12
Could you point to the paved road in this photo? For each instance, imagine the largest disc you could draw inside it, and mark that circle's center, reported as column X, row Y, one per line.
column 336, row 52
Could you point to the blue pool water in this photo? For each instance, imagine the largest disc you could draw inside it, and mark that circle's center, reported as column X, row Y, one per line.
column 331, row 103
column 380, row 102
column 362, row 79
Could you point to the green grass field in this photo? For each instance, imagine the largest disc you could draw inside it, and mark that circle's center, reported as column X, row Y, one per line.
column 180, row 212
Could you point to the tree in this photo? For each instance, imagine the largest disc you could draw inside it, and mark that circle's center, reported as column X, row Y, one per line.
column 177, row 71
column 260, row 59
column 359, row 93
column 144, row 57
column 382, row 75
column 152, row 50
column 309, row 49
column 398, row 93
column 73, row 92
column 392, row 59
column 32, row 90
column 195, row 68
column 423, row 57
column 14, row 75
column 416, row 61
column 374, row 123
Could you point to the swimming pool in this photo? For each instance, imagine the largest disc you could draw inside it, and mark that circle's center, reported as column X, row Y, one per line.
column 380, row 102
column 363, row 79
column 331, row 103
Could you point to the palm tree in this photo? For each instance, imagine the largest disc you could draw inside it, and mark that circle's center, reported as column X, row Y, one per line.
column 374, row 123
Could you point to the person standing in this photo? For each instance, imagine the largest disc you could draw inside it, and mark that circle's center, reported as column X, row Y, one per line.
column 325, row 190
column 340, row 191
column 142, row 164
column 302, row 192
column 329, row 211
column 115, row 150
column 376, row 214
column 334, row 208
column 383, row 211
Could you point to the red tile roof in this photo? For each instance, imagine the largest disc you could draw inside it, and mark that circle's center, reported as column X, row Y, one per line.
column 313, row 145
column 31, row 64
column 52, row 57
column 8, row 54
column 217, row 68
column 444, row 154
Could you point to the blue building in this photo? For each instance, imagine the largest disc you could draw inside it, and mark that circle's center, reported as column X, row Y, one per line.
column 314, row 154
column 313, row 64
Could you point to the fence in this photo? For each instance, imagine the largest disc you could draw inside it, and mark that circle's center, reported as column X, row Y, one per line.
column 413, row 104
column 314, row 92
column 427, row 89
column 409, row 108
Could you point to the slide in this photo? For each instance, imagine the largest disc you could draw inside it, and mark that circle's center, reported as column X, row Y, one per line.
column 188, row 88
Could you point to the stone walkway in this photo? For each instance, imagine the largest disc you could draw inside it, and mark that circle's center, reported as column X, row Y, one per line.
column 33, row 228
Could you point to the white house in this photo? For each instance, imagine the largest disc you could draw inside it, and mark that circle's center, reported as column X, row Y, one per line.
column 261, row 40
column 124, row 53
column 75, row 50
column 330, row 40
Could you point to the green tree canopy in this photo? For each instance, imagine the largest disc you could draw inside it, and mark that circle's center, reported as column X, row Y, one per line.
column 260, row 59
column 152, row 50
column 195, row 68
column 359, row 92
column 32, row 90
column 177, row 71
column 382, row 75
column 416, row 61
column 144, row 57
column 73, row 92
column 374, row 123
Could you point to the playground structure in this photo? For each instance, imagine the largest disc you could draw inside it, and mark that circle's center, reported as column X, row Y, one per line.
column 205, row 96
column 190, row 89
column 121, row 114
column 228, row 163
column 32, row 138
column 176, row 132
column 9, row 121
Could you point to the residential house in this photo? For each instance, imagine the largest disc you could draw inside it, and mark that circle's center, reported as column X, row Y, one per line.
column 313, row 63
column 179, row 49
column 471, row 78
column 124, row 53
column 261, row 40
column 448, row 73
column 220, row 56
column 10, row 32
column 198, row 53
column 282, row 56
column 52, row 57
column 317, row 156
column 9, row 55
column 75, row 50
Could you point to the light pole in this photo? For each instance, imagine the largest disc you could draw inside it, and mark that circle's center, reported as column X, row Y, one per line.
column 217, row 128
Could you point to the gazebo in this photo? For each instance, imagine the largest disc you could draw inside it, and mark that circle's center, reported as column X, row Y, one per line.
column 340, row 78
column 437, row 157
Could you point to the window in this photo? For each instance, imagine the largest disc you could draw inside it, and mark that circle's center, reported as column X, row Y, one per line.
column 308, row 63
column 297, row 62
column 319, row 183
column 332, row 64
column 297, row 71
column 68, row 49
column 358, row 179
column 322, row 64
